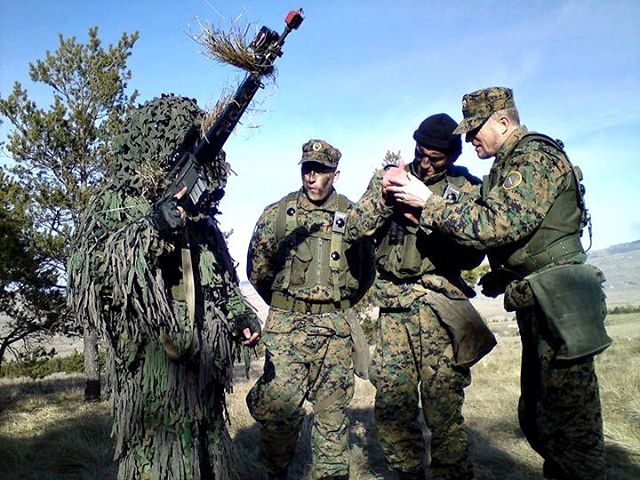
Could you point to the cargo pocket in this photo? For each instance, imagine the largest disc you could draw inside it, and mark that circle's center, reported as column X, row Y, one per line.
column 300, row 264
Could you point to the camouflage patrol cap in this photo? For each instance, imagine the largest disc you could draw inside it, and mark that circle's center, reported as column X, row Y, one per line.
column 478, row 106
column 321, row 152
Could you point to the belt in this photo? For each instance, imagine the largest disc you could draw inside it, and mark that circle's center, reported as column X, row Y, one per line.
column 565, row 248
column 286, row 302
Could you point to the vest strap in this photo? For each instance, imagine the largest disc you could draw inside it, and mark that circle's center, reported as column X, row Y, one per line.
column 287, row 218
column 337, row 232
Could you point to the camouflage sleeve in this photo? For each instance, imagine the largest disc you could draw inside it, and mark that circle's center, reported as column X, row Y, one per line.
column 370, row 212
column 513, row 209
column 261, row 256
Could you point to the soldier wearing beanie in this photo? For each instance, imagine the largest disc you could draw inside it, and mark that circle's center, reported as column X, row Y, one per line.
column 529, row 216
column 429, row 333
column 310, row 272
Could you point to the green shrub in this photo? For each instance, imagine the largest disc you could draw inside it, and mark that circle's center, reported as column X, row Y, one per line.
column 624, row 309
column 73, row 363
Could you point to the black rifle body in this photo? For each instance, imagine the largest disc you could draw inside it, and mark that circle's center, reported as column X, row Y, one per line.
column 187, row 170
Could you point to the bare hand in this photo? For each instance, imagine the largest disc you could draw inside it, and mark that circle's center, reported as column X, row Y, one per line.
column 394, row 176
column 178, row 196
column 413, row 193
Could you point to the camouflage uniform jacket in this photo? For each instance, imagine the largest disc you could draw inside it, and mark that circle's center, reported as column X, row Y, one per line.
column 526, row 181
column 410, row 261
column 297, row 263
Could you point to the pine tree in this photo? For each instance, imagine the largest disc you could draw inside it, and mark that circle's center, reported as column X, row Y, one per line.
column 62, row 153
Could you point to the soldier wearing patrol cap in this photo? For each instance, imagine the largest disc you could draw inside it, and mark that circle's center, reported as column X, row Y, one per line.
column 304, row 266
column 529, row 215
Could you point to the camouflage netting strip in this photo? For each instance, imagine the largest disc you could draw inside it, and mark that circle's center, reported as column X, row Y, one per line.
column 162, row 409
column 149, row 137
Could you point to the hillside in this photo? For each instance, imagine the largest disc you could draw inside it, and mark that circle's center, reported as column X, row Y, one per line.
column 621, row 265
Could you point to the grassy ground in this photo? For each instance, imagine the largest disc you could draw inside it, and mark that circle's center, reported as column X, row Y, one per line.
column 48, row 432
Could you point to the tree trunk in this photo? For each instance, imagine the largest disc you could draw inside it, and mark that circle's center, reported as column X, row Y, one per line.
column 91, row 366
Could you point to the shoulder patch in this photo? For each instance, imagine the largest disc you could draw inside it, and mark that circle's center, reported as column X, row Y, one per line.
column 513, row 179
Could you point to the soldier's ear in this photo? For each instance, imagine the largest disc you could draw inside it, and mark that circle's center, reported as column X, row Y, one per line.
column 336, row 175
column 503, row 123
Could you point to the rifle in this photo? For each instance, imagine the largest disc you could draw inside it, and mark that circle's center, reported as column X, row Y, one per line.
column 186, row 168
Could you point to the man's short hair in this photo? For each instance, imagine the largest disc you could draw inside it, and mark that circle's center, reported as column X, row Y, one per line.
column 511, row 113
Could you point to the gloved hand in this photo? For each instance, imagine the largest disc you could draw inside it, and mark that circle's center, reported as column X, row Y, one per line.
column 248, row 327
column 494, row 283
column 168, row 218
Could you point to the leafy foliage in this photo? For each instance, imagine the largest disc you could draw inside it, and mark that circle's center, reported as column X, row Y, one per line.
column 472, row 276
column 60, row 155
column 29, row 296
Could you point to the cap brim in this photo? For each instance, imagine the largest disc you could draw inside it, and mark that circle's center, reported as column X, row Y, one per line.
column 469, row 124
column 321, row 161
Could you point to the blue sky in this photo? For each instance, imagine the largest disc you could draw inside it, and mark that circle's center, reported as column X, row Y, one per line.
column 363, row 74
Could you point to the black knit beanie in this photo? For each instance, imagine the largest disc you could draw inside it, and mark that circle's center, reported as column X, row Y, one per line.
column 436, row 132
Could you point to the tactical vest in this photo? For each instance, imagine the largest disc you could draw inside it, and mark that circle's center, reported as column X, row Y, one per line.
column 405, row 252
column 320, row 264
column 558, row 236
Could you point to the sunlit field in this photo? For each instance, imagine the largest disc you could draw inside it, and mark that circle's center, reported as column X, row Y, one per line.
column 48, row 432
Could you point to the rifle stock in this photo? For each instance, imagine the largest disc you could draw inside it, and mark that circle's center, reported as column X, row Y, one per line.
column 187, row 170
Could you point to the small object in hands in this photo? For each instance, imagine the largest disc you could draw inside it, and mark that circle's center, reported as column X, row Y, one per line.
column 395, row 175
column 412, row 214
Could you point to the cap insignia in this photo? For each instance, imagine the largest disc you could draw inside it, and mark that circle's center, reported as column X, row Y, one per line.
column 316, row 147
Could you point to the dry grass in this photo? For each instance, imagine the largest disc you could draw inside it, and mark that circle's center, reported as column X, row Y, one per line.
column 232, row 46
column 47, row 432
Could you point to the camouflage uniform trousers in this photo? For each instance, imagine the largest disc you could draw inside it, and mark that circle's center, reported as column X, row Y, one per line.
column 311, row 363
column 414, row 349
column 559, row 408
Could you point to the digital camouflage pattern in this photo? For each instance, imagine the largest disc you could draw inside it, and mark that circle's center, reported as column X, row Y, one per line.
column 168, row 375
column 521, row 188
column 321, row 152
column 286, row 261
column 312, row 362
column 414, row 350
column 529, row 183
column 478, row 106
column 414, row 356
column 308, row 355
column 559, row 408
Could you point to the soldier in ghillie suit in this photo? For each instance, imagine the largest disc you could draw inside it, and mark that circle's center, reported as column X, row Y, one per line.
column 529, row 215
column 160, row 287
column 429, row 334
column 310, row 273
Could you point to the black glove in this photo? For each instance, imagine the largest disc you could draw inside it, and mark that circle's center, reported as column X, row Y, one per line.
column 494, row 283
column 248, row 320
column 167, row 219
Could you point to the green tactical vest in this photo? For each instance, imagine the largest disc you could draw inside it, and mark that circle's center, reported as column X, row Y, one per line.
column 558, row 236
column 320, row 265
column 405, row 252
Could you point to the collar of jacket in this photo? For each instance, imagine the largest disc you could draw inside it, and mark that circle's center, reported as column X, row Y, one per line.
column 429, row 180
column 510, row 144
column 330, row 204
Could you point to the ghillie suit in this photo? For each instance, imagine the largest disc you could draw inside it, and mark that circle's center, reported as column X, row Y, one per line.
column 169, row 359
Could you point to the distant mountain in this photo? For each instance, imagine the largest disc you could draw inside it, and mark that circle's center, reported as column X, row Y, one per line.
column 621, row 265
